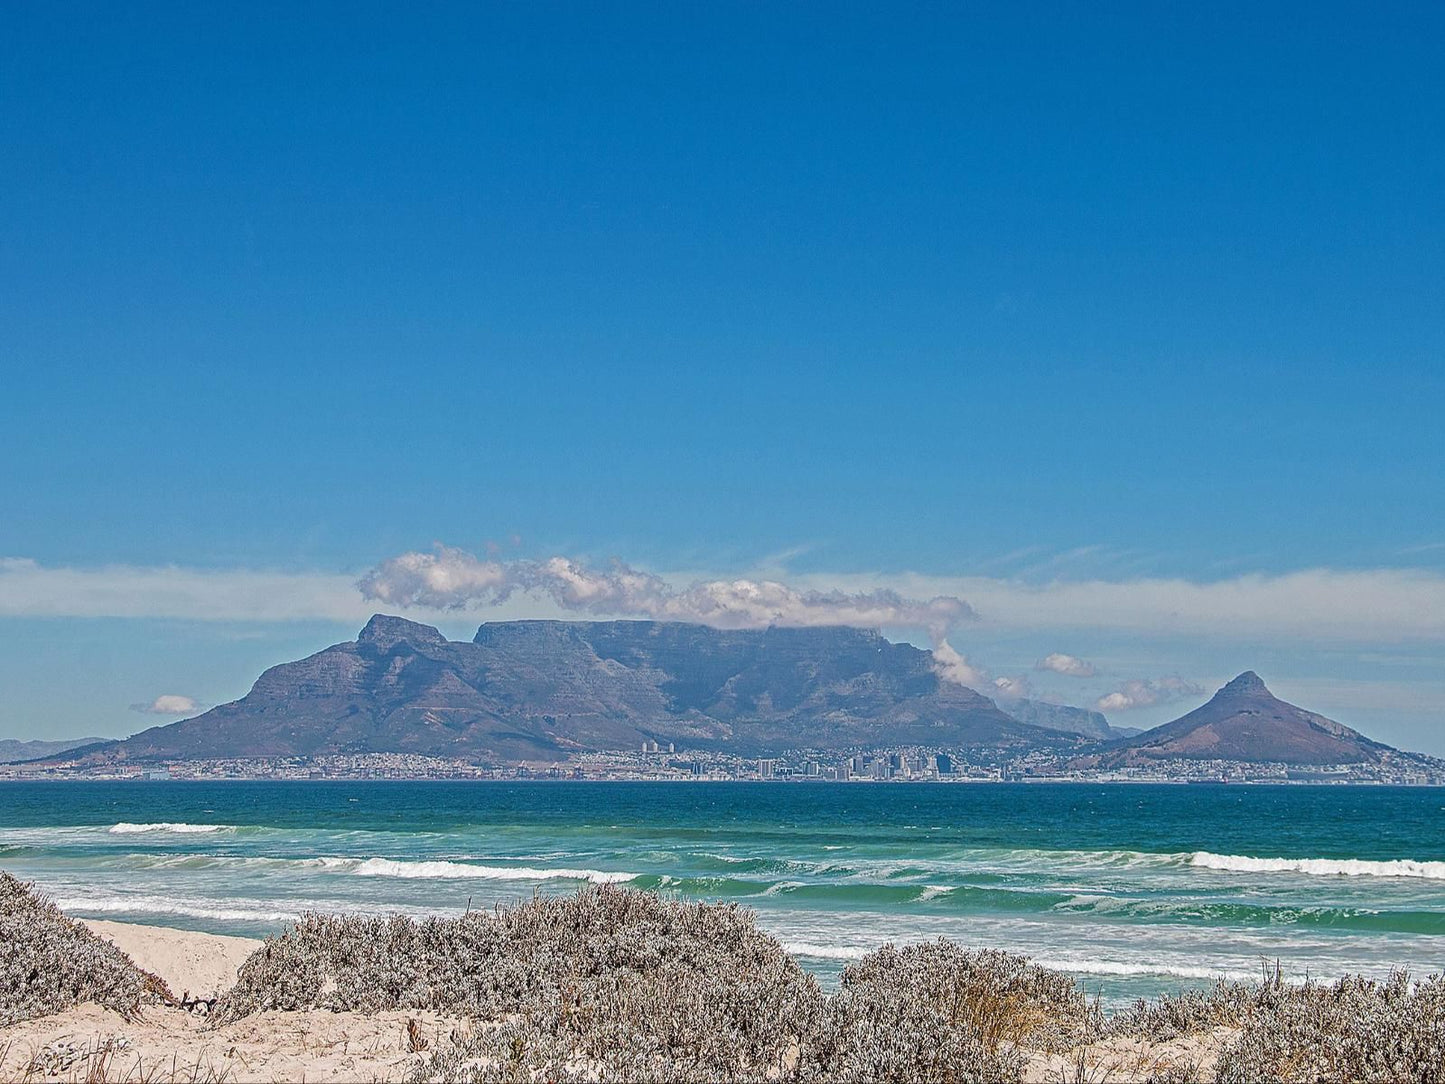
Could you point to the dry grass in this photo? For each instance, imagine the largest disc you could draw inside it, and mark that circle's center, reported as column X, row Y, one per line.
column 111, row 1060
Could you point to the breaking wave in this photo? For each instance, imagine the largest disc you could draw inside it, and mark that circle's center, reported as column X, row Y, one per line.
column 125, row 828
column 1116, row 967
column 1320, row 867
column 440, row 870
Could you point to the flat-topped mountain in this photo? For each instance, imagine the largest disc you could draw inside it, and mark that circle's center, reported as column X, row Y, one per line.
column 1244, row 721
column 541, row 690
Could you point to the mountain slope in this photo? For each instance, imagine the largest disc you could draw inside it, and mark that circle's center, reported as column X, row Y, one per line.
column 540, row 690
column 1244, row 721
column 12, row 750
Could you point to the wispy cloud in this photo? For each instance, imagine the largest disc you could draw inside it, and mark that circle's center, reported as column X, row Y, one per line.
column 1146, row 693
column 169, row 704
column 1317, row 606
column 1310, row 606
column 1068, row 665
column 29, row 589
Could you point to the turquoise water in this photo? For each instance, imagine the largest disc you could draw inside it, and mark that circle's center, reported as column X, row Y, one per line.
column 1134, row 889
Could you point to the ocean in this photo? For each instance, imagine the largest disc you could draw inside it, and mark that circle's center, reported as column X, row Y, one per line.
column 1134, row 889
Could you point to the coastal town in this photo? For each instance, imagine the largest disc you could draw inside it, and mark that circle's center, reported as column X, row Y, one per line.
column 653, row 762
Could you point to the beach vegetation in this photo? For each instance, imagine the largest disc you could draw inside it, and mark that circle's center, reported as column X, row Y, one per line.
column 49, row 963
column 1390, row 1030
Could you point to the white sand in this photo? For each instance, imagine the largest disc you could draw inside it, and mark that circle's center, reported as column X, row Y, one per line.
column 193, row 965
column 173, row 1045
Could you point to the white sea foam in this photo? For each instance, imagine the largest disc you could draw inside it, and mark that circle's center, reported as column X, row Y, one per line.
column 1320, row 867
column 931, row 892
column 824, row 952
column 439, row 870
column 1117, row 967
column 125, row 828
column 159, row 905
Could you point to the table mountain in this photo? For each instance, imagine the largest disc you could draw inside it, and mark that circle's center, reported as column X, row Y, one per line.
column 1244, row 721
column 540, row 690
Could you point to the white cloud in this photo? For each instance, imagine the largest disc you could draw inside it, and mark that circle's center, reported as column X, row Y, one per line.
column 1146, row 693
column 1012, row 688
column 169, row 704
column 449, row 578
column 1068, row 665
column 951, row 666
column 440, row 580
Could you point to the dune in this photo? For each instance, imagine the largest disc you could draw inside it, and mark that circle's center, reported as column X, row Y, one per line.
column 194, row 965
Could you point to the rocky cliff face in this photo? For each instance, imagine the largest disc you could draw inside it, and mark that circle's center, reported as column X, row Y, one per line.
column 1245, row 721
column 1071, row 720
column 539, row 690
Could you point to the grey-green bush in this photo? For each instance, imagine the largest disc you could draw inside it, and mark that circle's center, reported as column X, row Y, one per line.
column 936, row 1012
column 1356, row 1029
column 49, row 963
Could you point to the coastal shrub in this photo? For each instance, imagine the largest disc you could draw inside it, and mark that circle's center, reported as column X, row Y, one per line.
column 936, row 1012
column 635, row 986
column 48, row 963
column 673, row 1023
column 1187, row 1013
column 1356, row 1029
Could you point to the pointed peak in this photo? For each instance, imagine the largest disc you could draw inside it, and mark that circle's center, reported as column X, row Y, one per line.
column 1247, row 684
column 383, row 630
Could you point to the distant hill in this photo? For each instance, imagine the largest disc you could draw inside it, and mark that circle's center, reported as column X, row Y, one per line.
column 1244, row 721
column 540, row 690
column 1081, row 721
column 12, row 751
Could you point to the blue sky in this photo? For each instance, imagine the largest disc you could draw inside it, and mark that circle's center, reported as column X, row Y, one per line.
column 989, row 303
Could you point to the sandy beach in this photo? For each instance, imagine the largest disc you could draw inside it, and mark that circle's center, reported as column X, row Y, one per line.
column 193, row 965
column 173, row 1043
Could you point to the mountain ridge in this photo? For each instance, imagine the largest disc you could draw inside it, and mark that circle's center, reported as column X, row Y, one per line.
column 525, row 692
column 544, row 690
